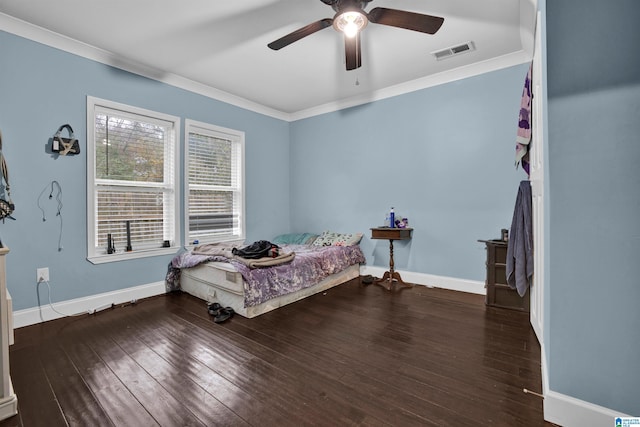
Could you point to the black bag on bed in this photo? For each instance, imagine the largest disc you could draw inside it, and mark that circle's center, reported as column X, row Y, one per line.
column 259, row 249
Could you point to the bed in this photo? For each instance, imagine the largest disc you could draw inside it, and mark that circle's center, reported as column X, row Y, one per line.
column 312, row 263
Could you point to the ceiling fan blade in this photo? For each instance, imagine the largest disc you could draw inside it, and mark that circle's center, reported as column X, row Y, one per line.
column 407, row 20
column 352, row 51
column 300, row 33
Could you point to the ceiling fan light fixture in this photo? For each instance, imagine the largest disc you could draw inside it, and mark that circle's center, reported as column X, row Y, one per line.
column 350, row 22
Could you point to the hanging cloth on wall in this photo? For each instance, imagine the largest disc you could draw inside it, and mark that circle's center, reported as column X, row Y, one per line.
column 523, row 138
column 519, row 268
column 6, row 205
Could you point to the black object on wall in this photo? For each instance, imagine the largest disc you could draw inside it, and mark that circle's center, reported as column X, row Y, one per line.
column 65, row 146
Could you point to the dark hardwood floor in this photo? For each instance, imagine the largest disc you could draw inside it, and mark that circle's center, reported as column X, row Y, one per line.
column 354, row 355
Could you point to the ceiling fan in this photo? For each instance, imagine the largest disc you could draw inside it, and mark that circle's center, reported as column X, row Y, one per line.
column 350, row 19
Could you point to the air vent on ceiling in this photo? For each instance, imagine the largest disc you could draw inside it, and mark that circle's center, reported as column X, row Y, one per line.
column 452, row 51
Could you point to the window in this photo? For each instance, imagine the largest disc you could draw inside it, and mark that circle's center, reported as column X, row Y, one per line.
column 131, row 181
column 214, row 167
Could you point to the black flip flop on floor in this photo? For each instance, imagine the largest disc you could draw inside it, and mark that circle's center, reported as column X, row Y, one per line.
column 214, row 308
column 224, row 314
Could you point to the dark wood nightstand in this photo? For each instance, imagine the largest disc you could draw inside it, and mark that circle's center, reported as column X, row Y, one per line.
column 499, row 293
column 391, row 277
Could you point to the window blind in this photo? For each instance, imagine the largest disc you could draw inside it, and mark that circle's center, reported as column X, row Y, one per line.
column 134, row 179
column 215, row 191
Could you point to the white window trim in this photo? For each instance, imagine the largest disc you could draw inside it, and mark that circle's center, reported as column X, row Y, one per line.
column 217, row 131
column 97, row 257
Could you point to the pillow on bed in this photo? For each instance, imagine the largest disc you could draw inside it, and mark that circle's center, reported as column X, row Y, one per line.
column 331, row 238
column 294, row 239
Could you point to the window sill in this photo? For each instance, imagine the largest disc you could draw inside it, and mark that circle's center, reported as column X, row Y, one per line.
column 123, row 256
column 221, row 243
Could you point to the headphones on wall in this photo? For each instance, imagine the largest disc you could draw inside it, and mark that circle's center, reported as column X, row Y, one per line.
column 65, row 146
column 55, row 185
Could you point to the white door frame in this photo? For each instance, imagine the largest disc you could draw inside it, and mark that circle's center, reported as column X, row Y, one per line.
column 537, row 167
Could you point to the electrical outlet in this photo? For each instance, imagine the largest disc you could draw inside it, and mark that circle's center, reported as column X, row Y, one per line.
column 42, row 274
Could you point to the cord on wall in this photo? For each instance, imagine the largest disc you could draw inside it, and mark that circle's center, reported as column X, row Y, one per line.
column 100, row 308
column 58, row 197
column 82, row 313
column 50, row 303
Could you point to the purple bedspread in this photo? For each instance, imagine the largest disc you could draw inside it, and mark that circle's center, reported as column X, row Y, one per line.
column 311, row 265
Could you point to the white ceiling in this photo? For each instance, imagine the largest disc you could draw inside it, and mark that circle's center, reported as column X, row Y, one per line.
column 219, row 48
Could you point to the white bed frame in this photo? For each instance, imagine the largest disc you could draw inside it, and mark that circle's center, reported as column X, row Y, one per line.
column 221, row 282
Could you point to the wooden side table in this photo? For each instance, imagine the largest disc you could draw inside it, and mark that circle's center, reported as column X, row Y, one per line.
column 391, row 277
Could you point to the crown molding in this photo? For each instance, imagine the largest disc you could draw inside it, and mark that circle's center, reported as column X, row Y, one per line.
column 67, row 44
column 49, row 38
column 460, row 73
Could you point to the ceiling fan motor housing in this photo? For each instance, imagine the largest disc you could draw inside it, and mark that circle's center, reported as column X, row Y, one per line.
column 342, row 5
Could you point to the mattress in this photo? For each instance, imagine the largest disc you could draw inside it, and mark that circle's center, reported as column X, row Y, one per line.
column 216, row 281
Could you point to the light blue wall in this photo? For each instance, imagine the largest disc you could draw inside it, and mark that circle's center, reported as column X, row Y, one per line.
column 594, row 153
column 42, row 88
column 442, row 156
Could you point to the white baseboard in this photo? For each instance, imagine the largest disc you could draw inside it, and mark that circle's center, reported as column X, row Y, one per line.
column 31, row 316
column 568, row 411
column 9, row 404
column 559, row 408
column 431, row 280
